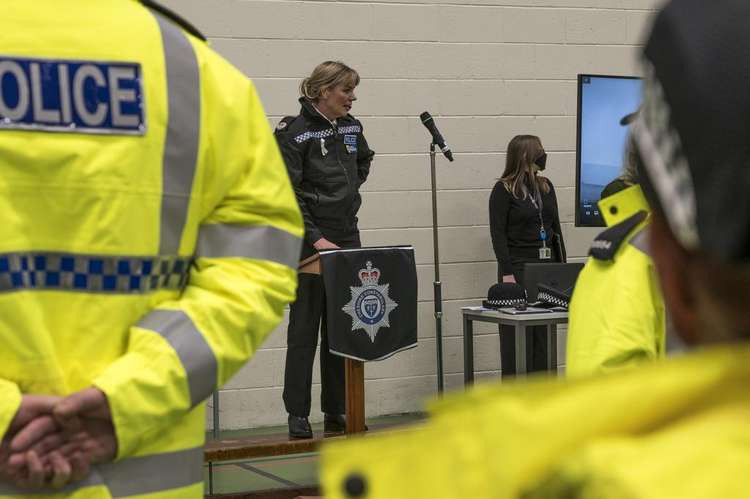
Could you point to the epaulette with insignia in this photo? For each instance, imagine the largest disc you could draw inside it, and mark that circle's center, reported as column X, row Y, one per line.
column 284, row 123
column 174, row 17
column 607, row 243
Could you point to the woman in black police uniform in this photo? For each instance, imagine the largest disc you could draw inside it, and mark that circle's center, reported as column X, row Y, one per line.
column 328, row 160
column 525, row 227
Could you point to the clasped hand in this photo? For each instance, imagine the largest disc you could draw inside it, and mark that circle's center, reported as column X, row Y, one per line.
column 53, row 441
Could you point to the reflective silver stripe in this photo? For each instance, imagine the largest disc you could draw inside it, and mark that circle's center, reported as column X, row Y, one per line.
column 121, row 274
column 181, row 141
column 135, row 475
column 262, row 242
column 640, row 241
column 92, row 480
column 196, row 355
column 155, row 473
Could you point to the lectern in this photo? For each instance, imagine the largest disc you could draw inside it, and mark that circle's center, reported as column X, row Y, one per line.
column 371, row 311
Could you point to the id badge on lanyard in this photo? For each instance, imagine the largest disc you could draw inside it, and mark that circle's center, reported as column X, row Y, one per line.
column 545, row 253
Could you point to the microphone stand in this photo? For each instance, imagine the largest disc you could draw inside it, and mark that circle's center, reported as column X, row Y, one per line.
column 437, row 285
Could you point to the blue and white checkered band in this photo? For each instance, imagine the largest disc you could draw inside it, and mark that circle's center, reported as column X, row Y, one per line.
column 313, row 135
column 664, row 158
column 91, row 274
column 71, row 96
column 350, row 129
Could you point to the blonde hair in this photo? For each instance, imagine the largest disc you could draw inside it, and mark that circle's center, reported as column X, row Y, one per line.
column 326, row 75
column 629, row 173
column 518, row 177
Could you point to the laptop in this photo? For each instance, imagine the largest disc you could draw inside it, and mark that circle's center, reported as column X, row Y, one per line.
column 561, row 276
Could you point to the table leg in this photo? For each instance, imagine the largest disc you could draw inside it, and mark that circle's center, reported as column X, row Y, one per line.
column 552, row 347
column 468, row 351
column 520, row 341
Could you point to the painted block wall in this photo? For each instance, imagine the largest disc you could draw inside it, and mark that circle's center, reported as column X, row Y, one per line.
column 486, row 70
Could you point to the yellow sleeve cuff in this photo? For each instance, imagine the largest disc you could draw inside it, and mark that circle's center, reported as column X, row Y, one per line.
column 10, row 396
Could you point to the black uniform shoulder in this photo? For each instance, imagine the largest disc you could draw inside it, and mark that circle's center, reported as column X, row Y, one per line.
column 286, row 123
column 293, row 128
column 606, row 244
column 174, row 17
column 347, row 119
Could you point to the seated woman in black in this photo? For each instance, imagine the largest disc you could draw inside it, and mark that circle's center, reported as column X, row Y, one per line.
column 525, row 227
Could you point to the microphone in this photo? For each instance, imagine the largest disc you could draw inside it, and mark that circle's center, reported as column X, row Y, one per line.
column 437, row 139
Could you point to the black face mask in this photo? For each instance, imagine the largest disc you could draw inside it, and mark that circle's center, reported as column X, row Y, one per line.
column 541, row 161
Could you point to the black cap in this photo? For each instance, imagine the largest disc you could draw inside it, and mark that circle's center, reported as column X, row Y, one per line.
column 505, row 294
column 693, row 128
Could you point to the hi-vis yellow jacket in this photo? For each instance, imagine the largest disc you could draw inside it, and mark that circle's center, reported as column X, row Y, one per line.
column 678, row 428
column 149, row 233
column 617, row 313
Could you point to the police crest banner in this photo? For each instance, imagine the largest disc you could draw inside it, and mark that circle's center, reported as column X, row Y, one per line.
column 371, row 301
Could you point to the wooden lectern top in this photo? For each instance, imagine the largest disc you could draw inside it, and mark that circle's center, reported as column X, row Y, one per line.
column 310, row 265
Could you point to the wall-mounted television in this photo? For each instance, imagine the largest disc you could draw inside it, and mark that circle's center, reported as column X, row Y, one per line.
column 602, row 102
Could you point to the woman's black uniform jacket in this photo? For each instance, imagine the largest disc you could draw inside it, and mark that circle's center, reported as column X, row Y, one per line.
column 326, row 165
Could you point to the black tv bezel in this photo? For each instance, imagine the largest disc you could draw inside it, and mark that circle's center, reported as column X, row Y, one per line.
column 578, row 222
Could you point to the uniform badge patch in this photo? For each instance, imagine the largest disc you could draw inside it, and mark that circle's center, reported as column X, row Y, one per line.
column 351, row 143
column 282, row 125
column 370, row 306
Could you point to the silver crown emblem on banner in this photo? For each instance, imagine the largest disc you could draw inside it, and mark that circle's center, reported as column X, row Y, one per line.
column 369, row 276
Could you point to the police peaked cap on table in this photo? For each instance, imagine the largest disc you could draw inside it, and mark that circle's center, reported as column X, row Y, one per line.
column 505, row 294
column 693, row 128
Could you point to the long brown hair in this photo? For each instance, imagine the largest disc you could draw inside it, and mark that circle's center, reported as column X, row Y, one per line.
column 327, row 74
column 518, row 177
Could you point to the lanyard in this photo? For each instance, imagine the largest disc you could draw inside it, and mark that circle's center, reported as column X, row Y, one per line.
column 536, row 200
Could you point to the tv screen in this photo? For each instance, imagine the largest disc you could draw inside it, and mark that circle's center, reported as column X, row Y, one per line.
column 602, row 102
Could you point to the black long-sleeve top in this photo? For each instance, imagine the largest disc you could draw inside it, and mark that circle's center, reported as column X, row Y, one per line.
column 514, row 224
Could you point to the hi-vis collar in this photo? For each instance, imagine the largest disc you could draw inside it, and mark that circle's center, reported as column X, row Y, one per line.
column 607, row 243
column 622, row 205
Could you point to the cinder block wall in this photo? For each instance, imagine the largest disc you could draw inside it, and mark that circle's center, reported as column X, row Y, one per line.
column 486, row 70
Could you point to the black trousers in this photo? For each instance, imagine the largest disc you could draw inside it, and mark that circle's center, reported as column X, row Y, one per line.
column 536, row 339
column 306, row 315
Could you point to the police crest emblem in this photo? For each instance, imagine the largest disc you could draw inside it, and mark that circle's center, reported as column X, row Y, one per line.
column 370, row 306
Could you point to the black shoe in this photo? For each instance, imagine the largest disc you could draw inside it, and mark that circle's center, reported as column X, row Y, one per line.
column 299, row 427
column 334, row 423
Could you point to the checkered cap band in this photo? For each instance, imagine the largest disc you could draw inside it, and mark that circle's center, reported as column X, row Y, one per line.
column 664, row 159
column 505, row 303
column 550, row 298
